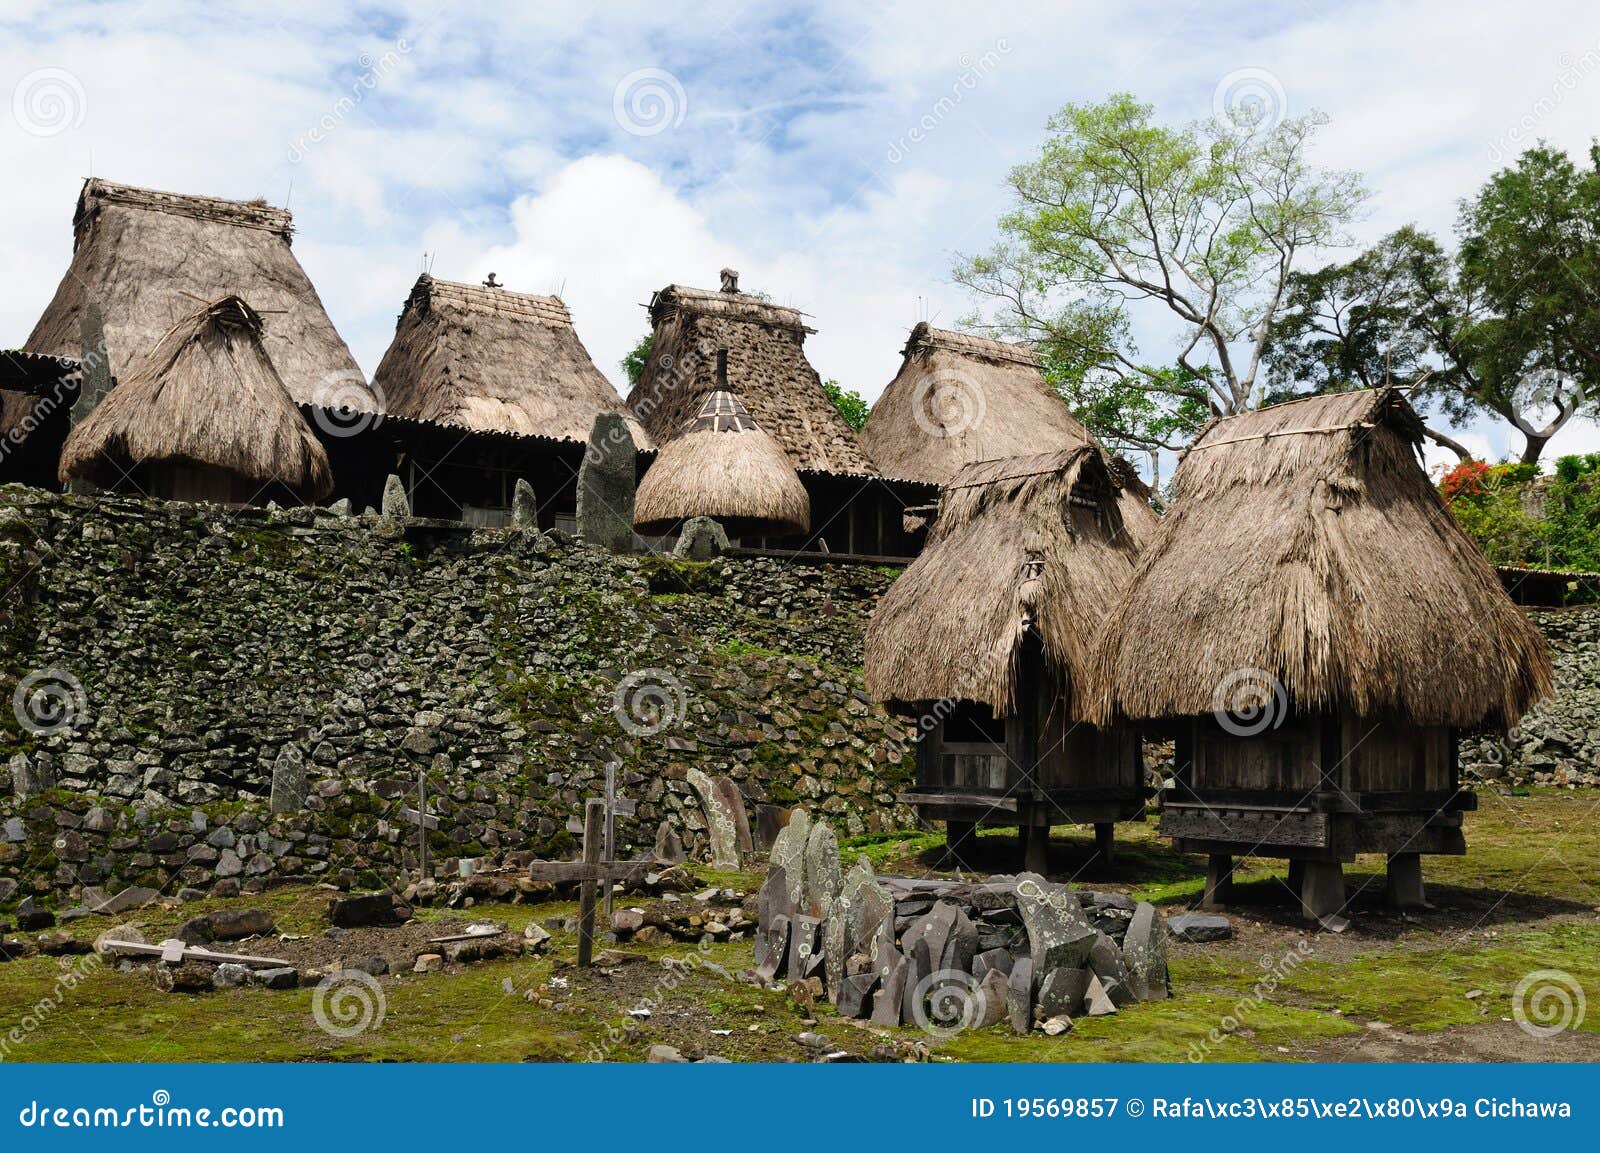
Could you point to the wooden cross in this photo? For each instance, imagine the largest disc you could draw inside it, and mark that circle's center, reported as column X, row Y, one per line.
column 589, row 872
column 424, row 821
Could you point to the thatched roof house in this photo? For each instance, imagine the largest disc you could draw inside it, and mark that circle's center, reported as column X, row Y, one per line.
column 1028, row 542
column 960, row 398
column 149, row 259
column 766, row 366
column 495, row 361
column 723, row 465
column 204, row 415
column 1305, row 540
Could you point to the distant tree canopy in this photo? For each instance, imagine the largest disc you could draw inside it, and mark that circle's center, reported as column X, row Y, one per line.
column 1208, row 220
column 1519, row 517
column 1509, row 325
column 849, row 403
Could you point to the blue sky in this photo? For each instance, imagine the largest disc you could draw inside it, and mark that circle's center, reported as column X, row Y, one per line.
column 604, row 154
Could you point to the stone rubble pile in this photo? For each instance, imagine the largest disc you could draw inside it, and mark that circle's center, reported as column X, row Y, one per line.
column 950, row 955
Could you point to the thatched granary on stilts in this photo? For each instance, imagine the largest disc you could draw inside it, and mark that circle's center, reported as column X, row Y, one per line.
column 1316, row 628
column 507, row 367
column 724, row 466
column 204, row 416
column 960, row 398
column 705, row 340
column 148, row 259
column 988, row 639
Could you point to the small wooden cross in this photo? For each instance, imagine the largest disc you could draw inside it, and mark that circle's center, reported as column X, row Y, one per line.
column 589, row 872
column 423, row 819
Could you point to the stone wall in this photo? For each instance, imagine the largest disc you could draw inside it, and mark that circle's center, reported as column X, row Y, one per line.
column 165, row 657
column 1558, row 742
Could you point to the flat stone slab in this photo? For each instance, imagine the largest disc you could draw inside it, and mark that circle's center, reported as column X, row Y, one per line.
column 1060, row 936
column 1144, row 951
column 1062, row 992
column 886, row 1004
column 1198, row 928
column 1019, row 996
column 823, row 878
column 789, row 852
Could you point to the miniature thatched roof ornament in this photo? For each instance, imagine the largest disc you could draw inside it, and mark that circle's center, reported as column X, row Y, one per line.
column 483, row 357
column 147, row 259
column 724, row 466
column 207, row 395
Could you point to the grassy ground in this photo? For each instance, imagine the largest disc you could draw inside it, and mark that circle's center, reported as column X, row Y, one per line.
column 1436, row 985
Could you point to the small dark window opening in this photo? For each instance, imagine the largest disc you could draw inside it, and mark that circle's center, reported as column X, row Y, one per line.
column 973, row 723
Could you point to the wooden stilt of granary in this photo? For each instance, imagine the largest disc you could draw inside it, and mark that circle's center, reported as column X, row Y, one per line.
column 1315, row 628
column 986, row 641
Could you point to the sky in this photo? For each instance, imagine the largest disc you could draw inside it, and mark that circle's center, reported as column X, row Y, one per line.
column 839, row 155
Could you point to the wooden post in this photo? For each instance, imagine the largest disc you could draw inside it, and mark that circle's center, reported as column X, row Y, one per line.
column 593, row 818
column 958, row 839
column 1035, row 845
column 611, row 826
column 1219, row 881
column 1322, row 891
column 1403, row 888
column 1105, row 839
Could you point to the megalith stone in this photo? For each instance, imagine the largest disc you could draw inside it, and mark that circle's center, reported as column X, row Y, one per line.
column 1105, row 961
column 891, row 993
column 606, row 483
column 721, row 825
column 701, row 538
column 1059, row 934
column 823, row 879
column 789, row 851
column 1062, row 991
column 1144, row 951
column 395, row 501
column 993, row 993
column 1019, row 995
column 288, row 781
column 524, row 506
column 732, row 802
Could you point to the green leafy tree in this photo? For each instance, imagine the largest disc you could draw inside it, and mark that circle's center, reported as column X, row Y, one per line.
column 1205, row 221
column 633, row 363
column 1509, row 326
column 849, row 403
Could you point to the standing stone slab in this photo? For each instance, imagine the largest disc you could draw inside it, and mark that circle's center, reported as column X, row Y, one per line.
column 775, row 958
column 805, row 946
column 855, row 995
column 1019, row 996
column 606, row 485
column 772, row 902
column 732, row 802
column 288, row 781
column 891, row 993
column 1144, row 951
column 961, row 945
column 395, row 501
column 720, row 823
column 849, row 904
column 524, row 506
column 1059, row 935
column 993, row 997
column 789, row 851
column 834, row 951
column 1106, row 963
column 823, row 879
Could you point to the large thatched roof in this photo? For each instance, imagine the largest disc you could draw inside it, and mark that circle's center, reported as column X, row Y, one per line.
column 960, row 398
column 766, row 365
column 1305, row 541
column 723, row 465
column 495, row 361
column 149, row 259
column 207, row 394
column 1032, row 541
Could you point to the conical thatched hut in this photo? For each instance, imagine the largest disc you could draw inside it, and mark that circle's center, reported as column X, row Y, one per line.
column 722, row 465
column 853, row 508
column 1318, row 627
column 989, row 638
column 204, row 416
column 149, row 259
column 960, row 398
